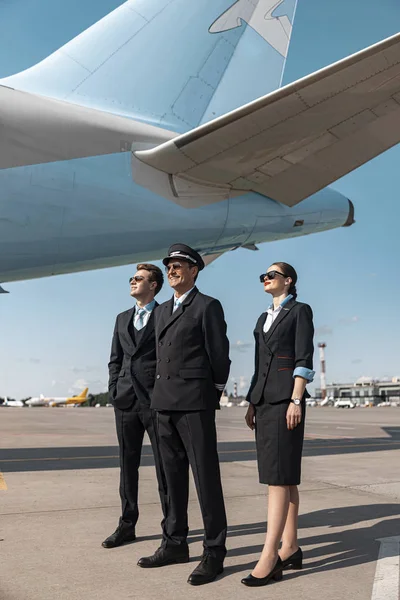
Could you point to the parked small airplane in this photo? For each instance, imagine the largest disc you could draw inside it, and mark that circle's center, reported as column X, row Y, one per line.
column 48, row 401
column 13, row 403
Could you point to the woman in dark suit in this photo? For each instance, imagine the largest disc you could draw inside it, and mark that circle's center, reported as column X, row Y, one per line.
column 283, row 367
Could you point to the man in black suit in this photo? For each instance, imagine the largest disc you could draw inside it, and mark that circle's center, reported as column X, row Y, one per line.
column 192, row 370
column 132, row 369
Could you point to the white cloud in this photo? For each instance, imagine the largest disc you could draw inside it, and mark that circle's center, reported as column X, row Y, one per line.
column 94, row 385
column 349, row 320
column 240, row 346
column 243, row 382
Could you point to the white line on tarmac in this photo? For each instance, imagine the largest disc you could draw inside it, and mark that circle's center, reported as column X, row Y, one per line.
column 386, row 581
column 352, row 428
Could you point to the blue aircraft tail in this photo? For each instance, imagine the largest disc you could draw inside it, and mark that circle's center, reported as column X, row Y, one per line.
column 172, row 63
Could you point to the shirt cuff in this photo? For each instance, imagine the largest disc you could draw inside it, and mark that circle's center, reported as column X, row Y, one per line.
column 220, row 386
column 305, row 373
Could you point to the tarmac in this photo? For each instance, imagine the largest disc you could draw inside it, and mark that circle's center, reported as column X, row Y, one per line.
column 59, row 500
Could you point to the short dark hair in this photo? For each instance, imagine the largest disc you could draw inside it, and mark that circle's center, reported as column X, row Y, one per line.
column 155, row 274
column 289, row 271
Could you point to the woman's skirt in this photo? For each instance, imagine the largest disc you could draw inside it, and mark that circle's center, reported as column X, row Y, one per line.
column 279, row 449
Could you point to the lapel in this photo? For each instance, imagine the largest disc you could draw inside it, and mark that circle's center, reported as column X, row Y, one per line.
column 127, row 324
column 282, row 315
column 260, row 324
column 169, row 317
column 147, row 331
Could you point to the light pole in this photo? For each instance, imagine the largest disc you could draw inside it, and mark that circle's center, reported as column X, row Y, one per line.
column 322, row 347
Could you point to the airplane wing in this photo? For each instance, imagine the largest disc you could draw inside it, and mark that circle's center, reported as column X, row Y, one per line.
column 297, row 140
column 35, row 129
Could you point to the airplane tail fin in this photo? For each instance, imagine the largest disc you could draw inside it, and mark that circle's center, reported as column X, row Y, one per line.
column 172, row 63
column 84, row 393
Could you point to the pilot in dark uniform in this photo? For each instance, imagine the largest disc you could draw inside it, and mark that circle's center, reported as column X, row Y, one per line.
column 132, row 369
column 192, row 370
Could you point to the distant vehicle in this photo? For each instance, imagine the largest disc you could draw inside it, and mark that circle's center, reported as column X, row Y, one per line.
column 243, row 403
column 225, row 402
column 13, row 403
column 311, row 402
column 344, row 403
column 392, row 403
column 48, row 401
column 327, row 402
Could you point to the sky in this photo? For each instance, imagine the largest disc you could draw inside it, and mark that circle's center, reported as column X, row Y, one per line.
column 56, row 332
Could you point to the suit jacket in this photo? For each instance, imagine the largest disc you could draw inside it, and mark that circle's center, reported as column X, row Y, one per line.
column 287, row 345
column 132, row 366
column 192, row 354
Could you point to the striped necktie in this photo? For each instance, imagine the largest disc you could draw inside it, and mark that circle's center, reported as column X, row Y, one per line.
column 139, row 319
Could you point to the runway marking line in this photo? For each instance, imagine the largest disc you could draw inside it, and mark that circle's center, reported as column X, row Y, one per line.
column 250, row 450
column 386, row 581
column 3, row 485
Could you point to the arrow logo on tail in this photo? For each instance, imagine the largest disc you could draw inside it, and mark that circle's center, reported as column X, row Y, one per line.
column 258, row 15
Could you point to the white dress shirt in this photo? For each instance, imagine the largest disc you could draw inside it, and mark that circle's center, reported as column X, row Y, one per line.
column 272, row 313
column 181, row 299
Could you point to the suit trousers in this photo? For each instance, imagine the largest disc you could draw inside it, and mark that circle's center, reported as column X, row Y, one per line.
column 131, row 426
column 190, row 437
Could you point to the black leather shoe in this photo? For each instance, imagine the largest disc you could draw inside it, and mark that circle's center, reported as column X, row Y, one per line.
column 122, row 535
column 206, row 571
column 275, row 574
column 295, row 561
column 165, row 556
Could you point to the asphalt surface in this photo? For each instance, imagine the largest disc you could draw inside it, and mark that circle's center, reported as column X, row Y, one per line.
column 328, row 432
column 59, row 481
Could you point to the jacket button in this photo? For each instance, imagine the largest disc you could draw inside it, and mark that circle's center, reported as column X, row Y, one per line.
column 167, row 377
column 158, row 359
column 169, row 343
column 167, row 360
column 160, row 343
column 158, row 376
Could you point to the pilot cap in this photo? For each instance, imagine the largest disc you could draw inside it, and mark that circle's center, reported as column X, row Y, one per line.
column 185, row 253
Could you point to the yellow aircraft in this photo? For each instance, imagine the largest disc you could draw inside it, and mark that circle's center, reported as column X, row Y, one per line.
column 44, row 401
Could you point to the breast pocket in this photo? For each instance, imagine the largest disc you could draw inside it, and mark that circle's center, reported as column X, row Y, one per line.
column 285, row 362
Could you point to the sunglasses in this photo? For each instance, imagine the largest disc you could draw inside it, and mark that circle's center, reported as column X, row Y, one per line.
column 175, row 267
column 137, row 278
column 270, row 275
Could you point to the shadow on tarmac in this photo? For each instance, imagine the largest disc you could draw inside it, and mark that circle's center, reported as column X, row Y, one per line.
column 13, row 460
column 336, row 549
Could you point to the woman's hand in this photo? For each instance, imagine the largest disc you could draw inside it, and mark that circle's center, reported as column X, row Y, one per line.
column 250, row 420
column 293, row 416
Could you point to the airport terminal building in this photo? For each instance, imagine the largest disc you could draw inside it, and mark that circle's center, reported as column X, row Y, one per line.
column 364, row 391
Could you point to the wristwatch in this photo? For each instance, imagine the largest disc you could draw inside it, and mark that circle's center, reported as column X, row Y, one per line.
column 296, row 401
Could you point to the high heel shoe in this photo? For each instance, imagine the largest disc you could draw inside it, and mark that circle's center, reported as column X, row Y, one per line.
column 275, row 574
column 295, row 561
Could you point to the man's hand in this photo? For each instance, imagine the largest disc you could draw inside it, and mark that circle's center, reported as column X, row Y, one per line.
column 293, row 416
column 250, row 420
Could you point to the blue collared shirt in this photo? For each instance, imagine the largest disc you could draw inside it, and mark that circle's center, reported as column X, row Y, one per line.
column 148, row 308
